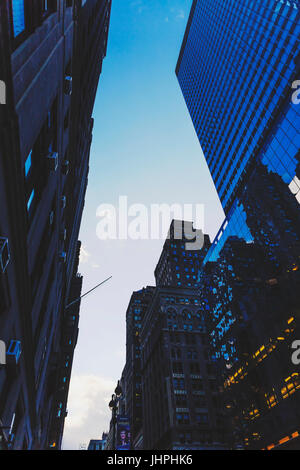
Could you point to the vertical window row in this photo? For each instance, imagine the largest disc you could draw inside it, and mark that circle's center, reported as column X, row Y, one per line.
column 38, row 163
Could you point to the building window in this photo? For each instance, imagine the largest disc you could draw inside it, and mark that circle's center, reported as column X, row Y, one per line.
column 202, row 418
column 181, row 401
column 186, row 418
column 200, row 401
column 177, row 368
column 197, row 384
column 26, row 16
column 192, row 354
column 194, row 368
column 28, row 164
column 45, row 5
column 29, row 203
column 48, row 6
column 36, row 168
column 205, row 437
column 178, row 384
column 18, row 15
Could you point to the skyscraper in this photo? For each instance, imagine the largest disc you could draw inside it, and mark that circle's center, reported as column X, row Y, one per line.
column 132, row 373
column 181, row 408
column 46, row 130
column 171, row 394
column 237, row 69
column 180, row 262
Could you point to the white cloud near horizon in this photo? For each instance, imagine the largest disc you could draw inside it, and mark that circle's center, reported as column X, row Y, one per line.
column 84, row 255
column 88, row 412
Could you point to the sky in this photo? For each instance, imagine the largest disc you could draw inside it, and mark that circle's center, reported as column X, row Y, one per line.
column 144, row 147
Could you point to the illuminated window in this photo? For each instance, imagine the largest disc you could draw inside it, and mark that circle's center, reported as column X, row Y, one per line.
column 29, row 202
column 28, row 164
column 292, row 384
column 18, row 13
column 271, row 400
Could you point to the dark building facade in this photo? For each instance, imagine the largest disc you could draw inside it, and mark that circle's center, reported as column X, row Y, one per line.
column 98, row 444
column 181, row 408
column 59, row 378
column 169, row 382
column 180, row 262
column 46, row 131
column 119, row 415
column 249, row 132
column 132, row 374
column 253, row 320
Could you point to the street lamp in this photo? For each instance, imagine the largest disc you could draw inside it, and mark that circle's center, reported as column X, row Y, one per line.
column 113, row 405
column 118, row 390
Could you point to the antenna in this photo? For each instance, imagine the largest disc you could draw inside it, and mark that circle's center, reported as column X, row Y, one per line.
column 88, row 292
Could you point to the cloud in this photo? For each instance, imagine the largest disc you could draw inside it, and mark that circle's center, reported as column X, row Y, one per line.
column 139, row 5
column 95, row 266
column 84, row 255
column 180, row 15
column 88, row 412
column 87, row 259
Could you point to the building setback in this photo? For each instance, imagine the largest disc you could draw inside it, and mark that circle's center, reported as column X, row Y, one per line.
column 46, row 131
column 249, row 131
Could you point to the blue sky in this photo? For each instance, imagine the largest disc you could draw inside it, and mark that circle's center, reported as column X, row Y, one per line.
column 144, row 147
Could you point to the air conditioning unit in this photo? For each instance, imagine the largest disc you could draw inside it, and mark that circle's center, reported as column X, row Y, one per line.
column 4, row 254
column 52, row 159
column 63, row 202
column 63, row 234
column 68, row 85
column 65, row 167
column 63, row 256
column 13, row 352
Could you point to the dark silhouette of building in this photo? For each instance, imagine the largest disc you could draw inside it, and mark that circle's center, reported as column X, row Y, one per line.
column 50, row 60
column 132, row 373
column 182, row 256
column 181, row 408
column 249, row 132
column 170, row 388
column 253, row 319
column 61, row 363
column 119, row 415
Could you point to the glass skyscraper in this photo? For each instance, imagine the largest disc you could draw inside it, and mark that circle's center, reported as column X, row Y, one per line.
column 238, row 69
